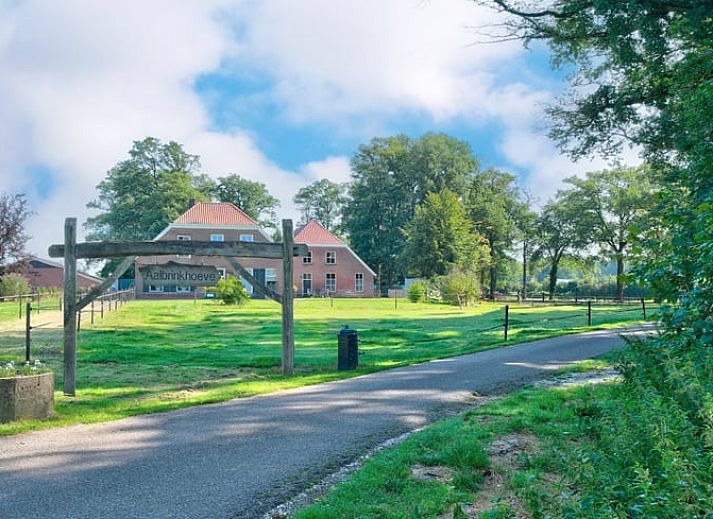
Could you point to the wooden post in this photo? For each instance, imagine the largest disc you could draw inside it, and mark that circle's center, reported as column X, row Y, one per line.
column 643, row 306
column 20, row 299
column 70, row 308
column 39, row 302
column 507, row 321
column 589, row 313
column 92, row 311
column 396, row 300
column 288, row 339
column 102, row 309
column 28, row 327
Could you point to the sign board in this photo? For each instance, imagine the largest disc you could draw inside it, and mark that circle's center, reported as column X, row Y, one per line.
column 173, row 273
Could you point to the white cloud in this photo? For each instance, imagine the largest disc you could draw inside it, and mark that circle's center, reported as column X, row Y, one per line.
column 80, row 79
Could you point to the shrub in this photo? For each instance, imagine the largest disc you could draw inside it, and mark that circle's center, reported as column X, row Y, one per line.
column 231, row 291
column 417, row 292
column 13, row 285
column 460, row 288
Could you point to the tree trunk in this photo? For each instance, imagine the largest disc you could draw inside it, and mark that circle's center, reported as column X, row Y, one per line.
column 620, row 278
column 493, row 281
column 553, row 277
column 524, row 270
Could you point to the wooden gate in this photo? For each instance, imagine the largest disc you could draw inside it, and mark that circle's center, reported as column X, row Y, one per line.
column 230, row 250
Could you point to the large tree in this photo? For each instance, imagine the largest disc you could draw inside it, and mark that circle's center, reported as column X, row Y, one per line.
column 390, row 177
column 606, row 206
column 558, row 237
column 250, row 196
column 142, row 194
column 13, row 215
column 493, row 203
column 322, row 200
column 441, row 237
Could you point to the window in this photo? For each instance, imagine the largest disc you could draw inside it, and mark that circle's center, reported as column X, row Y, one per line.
column 331, row 258
column 330, row 282
column 183, row 290
column 155, row 288
column 307, row 260
column 271, row 278
column 245, row 284
column 217, row 237
column 183, row 237
column 247, row 237
column 221, row 271
column 358, row 282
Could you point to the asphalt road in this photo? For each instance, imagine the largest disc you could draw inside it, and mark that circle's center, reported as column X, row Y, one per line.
column 239, row 458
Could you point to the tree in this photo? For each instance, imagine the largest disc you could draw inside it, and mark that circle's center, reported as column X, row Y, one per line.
column 558, row 236
column 390, row 177
column 606, row 205
column 493, row 204
column 251, row 197
column 13, row 214
column 322, row 200
column 526, row 223
column 440, row 237
column 142, row 194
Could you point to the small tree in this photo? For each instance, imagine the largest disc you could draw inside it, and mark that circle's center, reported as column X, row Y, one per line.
column 460, row 288
column 13, row 285
column 417, row 292
column 13, row 213
column 231, row 291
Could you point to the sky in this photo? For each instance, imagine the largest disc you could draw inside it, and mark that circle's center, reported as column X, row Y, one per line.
column 278, row 91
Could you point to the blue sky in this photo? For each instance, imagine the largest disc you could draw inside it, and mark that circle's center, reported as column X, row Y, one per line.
column 281, row 92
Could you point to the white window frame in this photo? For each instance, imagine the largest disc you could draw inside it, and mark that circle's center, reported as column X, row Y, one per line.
column 307, row 260
column 156, row 289
column 183, row 289
column 270, row 275
column 358, row 276
column 221, row 271
column 333, row 256
column 247, row 237
column 305, row 277
column 217, row 237
column 247, row 286
column 183, row 237
column 326, row 284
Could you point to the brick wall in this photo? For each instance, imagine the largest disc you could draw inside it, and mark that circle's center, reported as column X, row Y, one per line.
column 346, row 266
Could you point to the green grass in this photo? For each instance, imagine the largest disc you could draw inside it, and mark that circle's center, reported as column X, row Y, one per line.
column 155, row 356
column 588, row 451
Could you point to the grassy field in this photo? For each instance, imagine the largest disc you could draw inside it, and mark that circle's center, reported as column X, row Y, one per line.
column 155, row 356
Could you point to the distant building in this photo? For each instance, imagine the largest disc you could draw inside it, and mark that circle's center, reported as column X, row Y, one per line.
column 330, row 267
column 42, row 273
column 211, row 221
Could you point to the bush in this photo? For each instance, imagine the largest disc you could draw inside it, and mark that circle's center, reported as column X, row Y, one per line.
column 417, row 292
column 231, row 291
column 460, row 288
column 13, row 285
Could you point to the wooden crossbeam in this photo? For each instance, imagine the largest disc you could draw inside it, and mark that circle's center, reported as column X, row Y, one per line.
column 240, row 249
column 257, row 285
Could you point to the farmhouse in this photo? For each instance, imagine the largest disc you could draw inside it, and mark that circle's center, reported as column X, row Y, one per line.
column 42, row 273
column 209, row 221
column 330, row 267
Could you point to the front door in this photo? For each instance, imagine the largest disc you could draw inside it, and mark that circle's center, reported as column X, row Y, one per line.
column 306, row 284
column 259, row 274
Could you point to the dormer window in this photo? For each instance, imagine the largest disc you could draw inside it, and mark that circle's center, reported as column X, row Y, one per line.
column 330, row 257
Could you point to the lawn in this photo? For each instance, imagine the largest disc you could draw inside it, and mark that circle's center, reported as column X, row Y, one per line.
column 154, row 356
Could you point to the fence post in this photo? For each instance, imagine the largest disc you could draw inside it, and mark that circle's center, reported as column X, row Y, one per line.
column 396, row 300
column 79, row 320
column 92, row 310
column 102, row 308
column 643, row 306
column 39, row 302
column 20, row 299
column 543, row 297
column 28, row 314
column 589, row 313
column 507, row 322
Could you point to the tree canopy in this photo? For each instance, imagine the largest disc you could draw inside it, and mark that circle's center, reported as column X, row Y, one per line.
column 322, row 200
column 250, row 196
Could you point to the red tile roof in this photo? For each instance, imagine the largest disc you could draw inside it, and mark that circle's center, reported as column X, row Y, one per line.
column 215, row 213
column 314, row 233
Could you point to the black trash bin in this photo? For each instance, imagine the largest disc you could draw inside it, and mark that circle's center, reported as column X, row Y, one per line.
column 348, row 349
